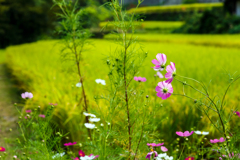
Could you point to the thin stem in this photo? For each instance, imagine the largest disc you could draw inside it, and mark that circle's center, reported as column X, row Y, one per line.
column 182, row 151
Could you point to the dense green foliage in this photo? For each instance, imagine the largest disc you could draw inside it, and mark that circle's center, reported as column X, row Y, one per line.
column 24, row 21
column 210, row 22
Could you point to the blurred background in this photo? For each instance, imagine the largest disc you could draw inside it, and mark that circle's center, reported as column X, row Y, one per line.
column 28, row 21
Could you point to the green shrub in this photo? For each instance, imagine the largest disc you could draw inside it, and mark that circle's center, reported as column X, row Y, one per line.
column 210, row 22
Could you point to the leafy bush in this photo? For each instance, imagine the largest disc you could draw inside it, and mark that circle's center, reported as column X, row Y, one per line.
column 210, row 22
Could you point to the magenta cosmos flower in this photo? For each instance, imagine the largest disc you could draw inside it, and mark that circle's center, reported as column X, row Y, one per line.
column 154, row 144
column 150, row 154
column 237, row 113
column 189, row 158
column 2, row 149
column 216, row 140
column 185, row 134
column 140, row 79
column 164, row 90
column 27, row 95
column 171, row 72
column 159, row 62
column 70, row 143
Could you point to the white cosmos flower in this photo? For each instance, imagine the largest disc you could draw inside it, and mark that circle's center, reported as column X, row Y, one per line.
column 89, row 114
column 87, row 157
column 58, row 155
column 94, row 119
column 164, row 156
column 89, row 125
column 79, row 84
column 100, row 81
column 101, row 124
column 201, row 132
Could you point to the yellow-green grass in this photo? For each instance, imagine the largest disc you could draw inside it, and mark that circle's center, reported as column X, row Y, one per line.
column 40, row 68
column 208, row 40
column 149, row 25
column 176, row 8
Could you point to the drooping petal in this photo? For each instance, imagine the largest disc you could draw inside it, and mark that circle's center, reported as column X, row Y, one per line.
column 160, row 75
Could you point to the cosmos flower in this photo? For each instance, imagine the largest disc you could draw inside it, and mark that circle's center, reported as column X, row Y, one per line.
column 85, row 157
column 185, row 134
column 27, row 95
column 89, row 114
column 189, row 158
column 28, row 111
column 159, row 62
column 94, row 119
column 164, row 90
column 237, row 113
column 89, row 125
column 216, row 140
column 164, row 149
column 201, row 132
column 140, row 79
column 171, row 72
column 70, row 143
column 154, row 144
column 100, row 81
column 41, row 115
column 2, row 149
column 79, row 84
column 150, row 154
column 58, row 155
column 164, row 156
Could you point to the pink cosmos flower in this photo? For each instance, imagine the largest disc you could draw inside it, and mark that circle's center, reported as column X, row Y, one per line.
column 164, row 149
column 70, row 144
column 82, row 154
column 237, row 113
column 171, row 72
column 140, row 79
column 2, row 149
column 159, row 62
column 189, row 158
column 164, row 90
column 27, row 95
column 150, row 154
column 216, row 140
column 42, row 115
column 154, row 144
column 185, row 134
column 28, row 111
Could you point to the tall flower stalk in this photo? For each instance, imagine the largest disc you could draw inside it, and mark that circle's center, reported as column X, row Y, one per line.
column 75, row 39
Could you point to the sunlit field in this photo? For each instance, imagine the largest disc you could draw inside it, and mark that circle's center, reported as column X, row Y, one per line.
column 40, row 68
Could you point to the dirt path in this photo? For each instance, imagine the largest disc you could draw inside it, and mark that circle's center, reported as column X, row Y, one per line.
column 8, row 113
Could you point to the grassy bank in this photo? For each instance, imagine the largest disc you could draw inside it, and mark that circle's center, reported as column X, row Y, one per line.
column 40, row 68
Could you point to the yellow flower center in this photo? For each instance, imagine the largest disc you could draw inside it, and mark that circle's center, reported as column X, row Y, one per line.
column 1, row 148
column 151, row 150
column 201, row 132
column 189, row 158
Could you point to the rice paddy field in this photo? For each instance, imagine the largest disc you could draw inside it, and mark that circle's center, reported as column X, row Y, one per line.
column 208, row 58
